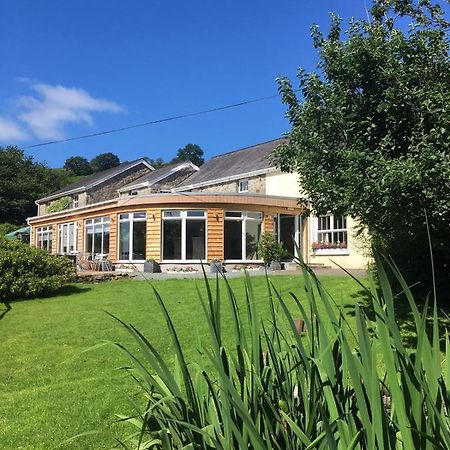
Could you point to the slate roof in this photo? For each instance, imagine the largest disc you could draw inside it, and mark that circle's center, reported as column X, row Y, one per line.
column 158, row 174
column 235, row 164
column 96, row 178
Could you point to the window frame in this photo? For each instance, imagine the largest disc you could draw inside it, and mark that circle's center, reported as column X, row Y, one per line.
column 40, row 232
column 131, row 219
column 243, row 218
column 242, row 182
column 103, row 221
column 61, row 227
column 183, row 217
column 75, row 201
column 332, row 230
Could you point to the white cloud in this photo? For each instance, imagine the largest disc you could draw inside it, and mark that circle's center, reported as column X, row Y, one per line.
column 11, row 131
column 52, row 107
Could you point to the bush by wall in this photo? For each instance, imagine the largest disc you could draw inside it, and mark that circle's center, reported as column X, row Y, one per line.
column 60, row 204
column 26, row 271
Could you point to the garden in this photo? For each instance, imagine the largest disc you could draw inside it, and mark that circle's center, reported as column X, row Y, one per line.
column 53, row 389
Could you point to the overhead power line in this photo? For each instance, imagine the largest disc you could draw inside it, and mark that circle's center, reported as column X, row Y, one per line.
column 153, row 122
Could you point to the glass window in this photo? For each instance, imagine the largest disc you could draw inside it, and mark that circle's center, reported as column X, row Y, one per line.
column 243, row 185
column 184, row 235
column 132, row 236
column 75, row 201
column 67, row 238
column 44, row 238
column 242, row 231
column 331, row 232
column 97, row 235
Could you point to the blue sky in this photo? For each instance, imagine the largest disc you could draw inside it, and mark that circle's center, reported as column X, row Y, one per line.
column 79, row 67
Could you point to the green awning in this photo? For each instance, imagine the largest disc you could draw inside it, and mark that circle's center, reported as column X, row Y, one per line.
column 16, row 233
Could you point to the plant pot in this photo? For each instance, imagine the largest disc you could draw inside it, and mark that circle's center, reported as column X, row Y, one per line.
column 216, row 267
column 275, row 265
column 152, row 267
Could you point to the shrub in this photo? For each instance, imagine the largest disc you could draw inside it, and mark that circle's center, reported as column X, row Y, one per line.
column 60, row 204
column 269, row 249
column 272, row 388
column 27, row 271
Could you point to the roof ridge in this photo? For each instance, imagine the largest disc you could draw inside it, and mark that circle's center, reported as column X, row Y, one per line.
column 244, row 148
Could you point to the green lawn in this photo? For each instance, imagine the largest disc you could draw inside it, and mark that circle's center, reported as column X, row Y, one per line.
column 51, row 390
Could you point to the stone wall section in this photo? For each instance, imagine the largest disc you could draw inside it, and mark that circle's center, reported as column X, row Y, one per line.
column 255, row 185
column 108, row 189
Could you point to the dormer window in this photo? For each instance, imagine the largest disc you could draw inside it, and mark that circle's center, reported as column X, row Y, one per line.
column 75, row 201
column 243, row 185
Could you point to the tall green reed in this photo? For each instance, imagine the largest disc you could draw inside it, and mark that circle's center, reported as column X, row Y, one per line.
column 273, row 388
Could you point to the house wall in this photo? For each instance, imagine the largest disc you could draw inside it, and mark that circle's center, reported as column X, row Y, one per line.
column 108, row 189
column 164, row 185
column 353, row 257
column 256, row 185
column 288, row 185
column 214, row 224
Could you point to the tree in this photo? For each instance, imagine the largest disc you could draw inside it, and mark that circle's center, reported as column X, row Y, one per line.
column 190, row 152
column 104, row 161
column 78, row 165
column 157, row 163
column 370, row 134
column 22, row 181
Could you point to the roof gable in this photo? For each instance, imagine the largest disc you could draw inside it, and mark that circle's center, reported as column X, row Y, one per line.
column 96, row 178
column 158, row 175
column 233, row 165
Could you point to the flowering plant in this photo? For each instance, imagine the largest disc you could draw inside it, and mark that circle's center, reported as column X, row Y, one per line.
column 328, row 245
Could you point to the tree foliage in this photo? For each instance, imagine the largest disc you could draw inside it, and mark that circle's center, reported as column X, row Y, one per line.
column 104, row 161
column 190, row 152
column 78, row 165
column 22, row 181
column 370, row 133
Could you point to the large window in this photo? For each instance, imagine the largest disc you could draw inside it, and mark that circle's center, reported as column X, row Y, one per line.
column 44, row 237
column 331, row 232
column 184, row 235
column 132, row 234
column 241, row 236
column 67, row 238
column 97, row 235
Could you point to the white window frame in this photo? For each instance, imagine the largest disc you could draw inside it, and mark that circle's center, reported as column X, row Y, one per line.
column 61, row 228
column 75, row 201
column 243, row 185
column 183, row 217
column 332, row 230
column 40, row 233
column 103, row 222
column 131, row 219
column 244, row 218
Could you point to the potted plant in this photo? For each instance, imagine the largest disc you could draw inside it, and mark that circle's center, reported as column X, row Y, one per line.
column 216, row 266
column 271, row 251
column 152, row 266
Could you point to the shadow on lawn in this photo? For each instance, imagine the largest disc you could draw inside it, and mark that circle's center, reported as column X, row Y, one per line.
column 65, row 291
column 404, row 315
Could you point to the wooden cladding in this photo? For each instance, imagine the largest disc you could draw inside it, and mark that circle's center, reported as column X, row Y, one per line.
column 215, row 234
column 153, row 244
column 113, row 237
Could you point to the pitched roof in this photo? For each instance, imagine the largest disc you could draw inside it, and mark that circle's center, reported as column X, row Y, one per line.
column 233, row 165
column 95, row 178
column 157, row 175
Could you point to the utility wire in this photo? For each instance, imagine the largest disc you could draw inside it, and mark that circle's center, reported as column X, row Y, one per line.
column 153, row 122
